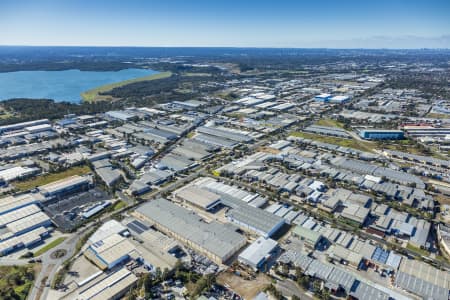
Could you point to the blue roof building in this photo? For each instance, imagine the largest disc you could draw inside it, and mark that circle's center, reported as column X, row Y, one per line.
column 382, row 134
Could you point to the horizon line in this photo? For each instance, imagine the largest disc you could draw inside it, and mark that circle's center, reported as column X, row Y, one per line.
column 229, row 47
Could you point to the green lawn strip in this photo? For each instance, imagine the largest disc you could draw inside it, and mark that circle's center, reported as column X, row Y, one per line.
column 118, row 205
column 49, row 246
column 330, row 123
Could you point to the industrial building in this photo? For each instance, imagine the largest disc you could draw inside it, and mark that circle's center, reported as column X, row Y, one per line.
column 217, row 241
column 22, row 223
column 381, row 134
column 197, row 197
column 19, row 126
column 114, row 286
column 426, row 131
column 11, row 203
column 258, row 253
column 311, row 239
column 109, row 252
column 16, row 172
column 256, row 220
column 65, row 186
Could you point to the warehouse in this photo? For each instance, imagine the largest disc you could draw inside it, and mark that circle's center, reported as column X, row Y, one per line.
column 114, row 286
column 339, row 99
column 19, row 126
column 109, row 176
column 119, row 115
column 28, row 223
column 258, row 253
column 216, row 241
column 18, row 214
column 356, row 213
column 420, row 287
column 198, row 197
column 65, row 186
column 327, row 130
column 381, row 134
column 312, row 239
column 39, row 128
column 17, row 172
column 110, row 251
column 255, row 219
column 25, row 240
column 12, row 203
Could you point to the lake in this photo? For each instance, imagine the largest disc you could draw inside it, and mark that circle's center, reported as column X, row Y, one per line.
column 61, row 85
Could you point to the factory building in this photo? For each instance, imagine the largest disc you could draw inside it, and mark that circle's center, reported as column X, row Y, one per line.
column 426, row 130
column 217, row 241
column 256, row 220
column 323, row 97
column 258, row 253
column 65, row 186
column 198, row 197
column 110, row 251
column 19, row 126
column 311, row 239
column 22, row 223
column 114, row 286
column 12, row 203
column 381, row 134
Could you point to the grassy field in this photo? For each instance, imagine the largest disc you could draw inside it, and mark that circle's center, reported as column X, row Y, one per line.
column 41, row 180
column 417, row 249
column 187, row 74
column 118, row 205
column 93, row 95
column 330, row 123
column 15, row 281
column 49, row 246
column 438, row 116
column 350, row 143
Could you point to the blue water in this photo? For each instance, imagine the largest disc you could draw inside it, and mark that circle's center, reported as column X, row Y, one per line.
column 60, row 85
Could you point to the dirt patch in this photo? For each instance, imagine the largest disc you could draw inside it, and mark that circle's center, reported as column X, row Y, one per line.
column 248, row 289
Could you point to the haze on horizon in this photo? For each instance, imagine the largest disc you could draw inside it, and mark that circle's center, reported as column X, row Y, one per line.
column 221, row 23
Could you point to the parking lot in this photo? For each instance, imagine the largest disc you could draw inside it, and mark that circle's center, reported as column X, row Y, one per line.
column 66, row 213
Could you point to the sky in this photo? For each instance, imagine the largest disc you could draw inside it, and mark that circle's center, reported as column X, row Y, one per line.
column 227, row 23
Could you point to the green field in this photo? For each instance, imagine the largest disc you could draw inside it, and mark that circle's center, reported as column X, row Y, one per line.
column 350, row 143
column 41, row 180
column 94, row 94
column 187, row 74
column 15, row 281
column 119, row 205
column 49, row 246
column 330, row 123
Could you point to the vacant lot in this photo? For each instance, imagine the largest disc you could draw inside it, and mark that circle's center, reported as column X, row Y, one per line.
column 94, row 94
column 16, row 281
column 350, row 143
column 330, row 123
column 41, row 180
column 248, row 289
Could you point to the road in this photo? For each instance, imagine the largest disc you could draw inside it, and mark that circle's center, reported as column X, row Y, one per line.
column 288, row 288
column 51, row 265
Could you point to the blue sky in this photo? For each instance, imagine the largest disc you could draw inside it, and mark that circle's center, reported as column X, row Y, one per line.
column 244, row 23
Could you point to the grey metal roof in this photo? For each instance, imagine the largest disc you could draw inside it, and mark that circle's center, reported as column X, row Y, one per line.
column 364, row 291
column 214, row 237
column 342, row 278
column 421, row 287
